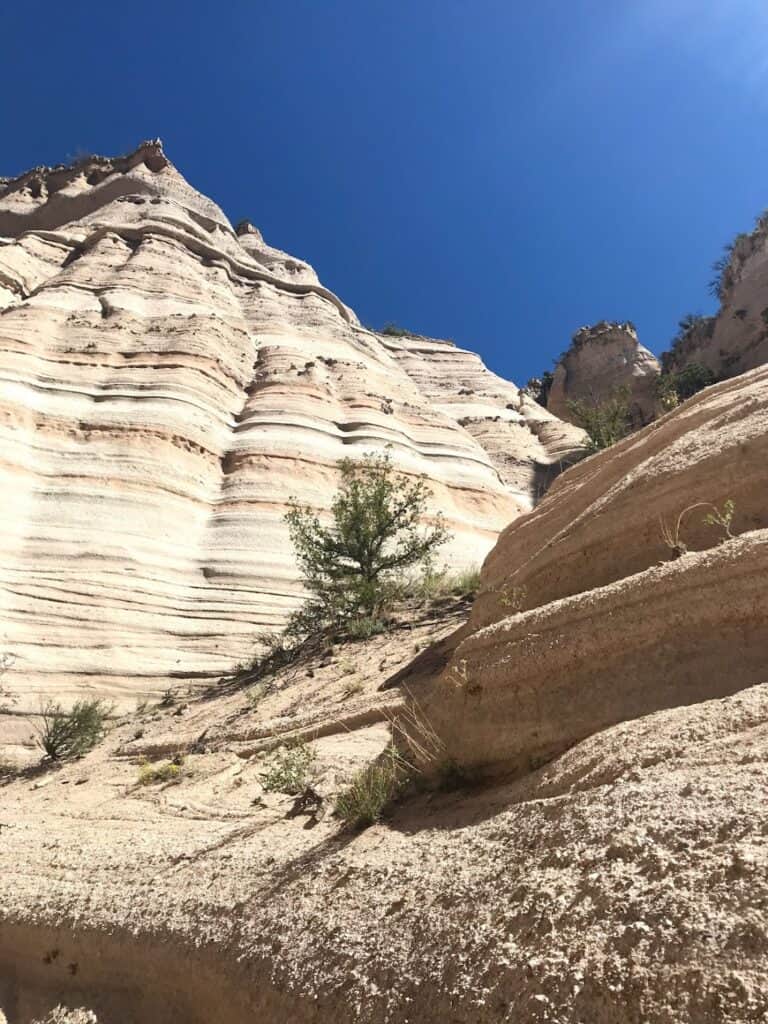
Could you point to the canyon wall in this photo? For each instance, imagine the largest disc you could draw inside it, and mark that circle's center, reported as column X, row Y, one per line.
column 167, row 384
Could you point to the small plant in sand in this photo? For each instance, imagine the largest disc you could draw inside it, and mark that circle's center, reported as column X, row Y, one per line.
column 352, row 689
column 152, row 773
column 290, row 769
column 66, row 734
column 372, row 790
column 511, row 597
column 722, row 518
column 434, row 584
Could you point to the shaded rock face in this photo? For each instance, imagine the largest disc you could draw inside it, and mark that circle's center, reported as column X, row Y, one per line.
column 586, row 618
column 736, row 339
column 168, row 383
column 601, row 359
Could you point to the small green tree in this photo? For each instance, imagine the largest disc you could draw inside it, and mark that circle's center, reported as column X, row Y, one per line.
column 605, row 422
column 352, row 567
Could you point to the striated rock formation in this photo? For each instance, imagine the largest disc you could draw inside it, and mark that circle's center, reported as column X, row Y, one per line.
column 624, row 881
column 167, row 384
column 582, row 621
column 526, row 443
column 737, row 338
column 600, row 360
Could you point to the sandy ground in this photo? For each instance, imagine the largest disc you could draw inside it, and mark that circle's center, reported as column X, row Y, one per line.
column 625, row 881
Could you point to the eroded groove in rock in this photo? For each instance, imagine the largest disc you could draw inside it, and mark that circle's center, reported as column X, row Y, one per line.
column 166, row 385
column 528, row 687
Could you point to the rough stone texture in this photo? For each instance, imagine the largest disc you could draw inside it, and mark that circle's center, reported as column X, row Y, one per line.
column 166, row 385
column 526, row 443
column 601, row 359
column 578, row 626
column 737, row 338
column 625, row 881
column 62, row 1015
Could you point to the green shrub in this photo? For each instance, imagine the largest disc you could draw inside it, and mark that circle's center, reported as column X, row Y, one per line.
column 363, row 628
column 693, row 379
column 353, row 567
column 666, row 391
column 167, row 771
column 372, row 790
column 255, row 695
column 674, row 388
column 290, row 769
column 722, row 518
column 605, row 422
column 434, row 584
column 65, row 734
column 395, row 331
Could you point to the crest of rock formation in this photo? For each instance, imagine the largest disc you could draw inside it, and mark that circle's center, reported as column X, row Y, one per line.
column 601, row 359
column 737, row 338
column 168, row 384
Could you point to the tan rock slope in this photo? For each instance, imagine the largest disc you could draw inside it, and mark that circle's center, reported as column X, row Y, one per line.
column 167, row 383
column 623, row 880
column 583, row 620
column 601, row 359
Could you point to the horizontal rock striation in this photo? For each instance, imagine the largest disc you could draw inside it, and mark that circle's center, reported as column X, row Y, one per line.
column 586, row 617
column 523, row 690
column 167, row 383
column 624, row 881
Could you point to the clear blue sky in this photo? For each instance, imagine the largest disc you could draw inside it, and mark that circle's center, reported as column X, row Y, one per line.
column 493, row 171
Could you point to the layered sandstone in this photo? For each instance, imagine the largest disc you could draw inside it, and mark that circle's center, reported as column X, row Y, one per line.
column 586, row 617
column 167, row 385
column 600, row 360
column 624, row 881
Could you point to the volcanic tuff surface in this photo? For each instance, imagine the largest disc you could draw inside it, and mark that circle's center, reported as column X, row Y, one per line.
column 601, row 359
column 585, row 617
column 625, row 880
column 737, row 338
column 168, row 383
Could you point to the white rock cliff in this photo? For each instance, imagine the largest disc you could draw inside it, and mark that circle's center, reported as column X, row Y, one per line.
column 167, row 384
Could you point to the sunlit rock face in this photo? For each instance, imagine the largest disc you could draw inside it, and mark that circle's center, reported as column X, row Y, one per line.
column 600, row 360
column 619, row 596
column 168, row 383
column 736, row 339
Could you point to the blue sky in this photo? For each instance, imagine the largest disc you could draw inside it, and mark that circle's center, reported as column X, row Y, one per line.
column 492, row 171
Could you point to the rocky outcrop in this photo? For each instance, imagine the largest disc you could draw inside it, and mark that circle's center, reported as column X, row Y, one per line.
column 736, row 339
column 167, row 383
column 586, row 617
column 601, row 359
column 527, row 444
